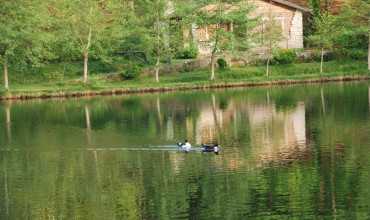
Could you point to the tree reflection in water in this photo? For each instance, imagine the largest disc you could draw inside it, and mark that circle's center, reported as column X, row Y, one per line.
column 286, row 153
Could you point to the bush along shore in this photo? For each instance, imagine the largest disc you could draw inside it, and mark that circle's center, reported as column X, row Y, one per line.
column 113, row 84
column 143, row 45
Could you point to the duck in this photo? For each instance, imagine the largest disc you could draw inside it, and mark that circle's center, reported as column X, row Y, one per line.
column 210, row 148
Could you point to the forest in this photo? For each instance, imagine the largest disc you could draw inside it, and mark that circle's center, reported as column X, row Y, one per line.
column 99, row 44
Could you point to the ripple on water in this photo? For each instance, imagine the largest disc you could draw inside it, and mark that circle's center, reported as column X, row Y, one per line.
column 287, row 153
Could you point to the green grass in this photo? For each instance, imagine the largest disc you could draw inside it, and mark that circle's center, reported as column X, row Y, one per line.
column 66, row 77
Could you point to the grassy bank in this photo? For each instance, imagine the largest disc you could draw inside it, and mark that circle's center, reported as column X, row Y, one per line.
column 50, row 82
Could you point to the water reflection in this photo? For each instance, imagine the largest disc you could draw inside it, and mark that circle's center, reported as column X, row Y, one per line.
column 278, row 136
column 209, row 123
column 8, row 123
column 88, row 125
column 287, row 153
column 323, row 100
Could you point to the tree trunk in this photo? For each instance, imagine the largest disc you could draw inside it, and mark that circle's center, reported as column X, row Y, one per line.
column 158, row 29
column 368, row 52
column 6, row 78
column 268, row 68
column 322, row 61
column 213, row 67
column 86, row 60
column 157, row 69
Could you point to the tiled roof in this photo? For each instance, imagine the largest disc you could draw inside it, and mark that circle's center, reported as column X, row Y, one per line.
column 292, row 4
column 302, row 3
column 333, row 6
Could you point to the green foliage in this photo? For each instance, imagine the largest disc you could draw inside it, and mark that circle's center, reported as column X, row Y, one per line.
column 357, row 54
column 235, row 12
column 86, row 28
column 152, row 19
column 284, row 56
column 132, row 71
column 316, row 56
column 32, row 83
column 270, row 37
column 22, row 25
column 354, row 20
column 351, row 39
column 271, row 34
column 47, row 33
column 53, row 76
column 326, row 31
column 316, row 7
column 190, row 52
column 354, row 54
column 89, row 29
column 230, row 22
column 222, row 64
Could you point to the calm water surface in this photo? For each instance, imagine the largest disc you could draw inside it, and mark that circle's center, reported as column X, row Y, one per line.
column 299, row 152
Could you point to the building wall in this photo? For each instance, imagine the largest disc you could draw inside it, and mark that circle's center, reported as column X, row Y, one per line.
column 296, row 31
column 291, row 21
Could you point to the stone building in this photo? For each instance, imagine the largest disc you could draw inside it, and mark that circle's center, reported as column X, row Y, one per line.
column 287, row 14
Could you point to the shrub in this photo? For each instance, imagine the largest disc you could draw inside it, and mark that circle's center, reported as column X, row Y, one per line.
column 53, row 76
column 284, row 56
column 358, row 54
column 132, row 71
column 354, row 54
column 190, row 52
column 352, row 39
column 316, row 55
column 222, row 64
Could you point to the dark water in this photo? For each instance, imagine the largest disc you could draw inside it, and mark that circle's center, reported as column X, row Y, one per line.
column 299, row 152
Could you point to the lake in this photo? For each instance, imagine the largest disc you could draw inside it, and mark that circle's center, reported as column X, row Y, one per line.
column 296, row 152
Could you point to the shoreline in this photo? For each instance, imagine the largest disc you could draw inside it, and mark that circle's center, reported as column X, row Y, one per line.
column 205, row 86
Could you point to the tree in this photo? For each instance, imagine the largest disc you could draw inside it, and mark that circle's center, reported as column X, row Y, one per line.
column 316, row 7
column 356, row 16
column 230, row 24
column 148, row 32
column 155, row 18
column 183, row 25
column 87, row 25
column 135, row 42
column 324, row 35
column 18, row 33
column 271, row 35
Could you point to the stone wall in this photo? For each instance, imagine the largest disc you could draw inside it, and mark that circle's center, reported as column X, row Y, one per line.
column 296, row 31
